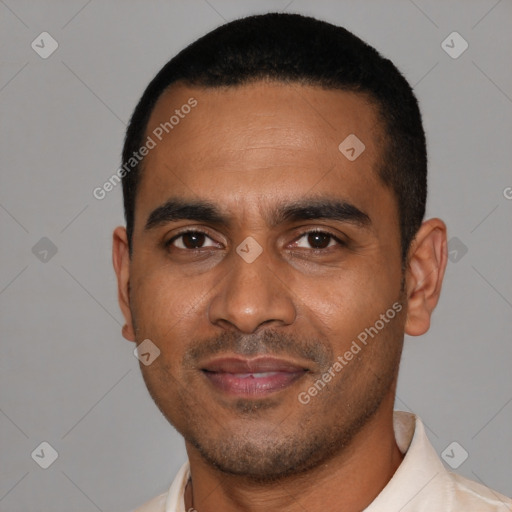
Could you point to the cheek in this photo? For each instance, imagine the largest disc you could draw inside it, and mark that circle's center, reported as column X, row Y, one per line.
column 348, row 302
column 164, row 304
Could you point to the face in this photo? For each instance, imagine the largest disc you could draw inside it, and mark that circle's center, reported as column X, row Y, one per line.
column 262, row 258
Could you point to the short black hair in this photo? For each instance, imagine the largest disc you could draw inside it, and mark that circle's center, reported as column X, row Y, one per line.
column 291, row 48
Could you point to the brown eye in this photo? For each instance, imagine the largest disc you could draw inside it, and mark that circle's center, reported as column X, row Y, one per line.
column 317, row 240
column 192, row 240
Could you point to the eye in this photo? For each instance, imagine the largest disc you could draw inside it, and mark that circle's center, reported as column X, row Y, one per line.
column 190, row 240
column 317, row 240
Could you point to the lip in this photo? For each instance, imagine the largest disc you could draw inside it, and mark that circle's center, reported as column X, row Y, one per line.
column 252, row 377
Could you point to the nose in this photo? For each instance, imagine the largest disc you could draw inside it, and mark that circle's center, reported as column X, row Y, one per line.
column 251, row 295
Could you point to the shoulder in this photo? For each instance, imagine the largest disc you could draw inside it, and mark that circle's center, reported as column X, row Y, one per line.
column 470, row 495
column 173, row 498
column 157, row 504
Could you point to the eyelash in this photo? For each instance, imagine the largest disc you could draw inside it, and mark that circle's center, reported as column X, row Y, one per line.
column 340, row 242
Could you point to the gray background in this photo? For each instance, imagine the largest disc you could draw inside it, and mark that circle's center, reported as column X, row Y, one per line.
column 68, row 377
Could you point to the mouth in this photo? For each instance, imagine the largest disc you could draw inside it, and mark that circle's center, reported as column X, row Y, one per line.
column 252, row 377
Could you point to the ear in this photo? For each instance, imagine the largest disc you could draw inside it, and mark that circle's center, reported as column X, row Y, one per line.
column 121, row 261
column 427, row 259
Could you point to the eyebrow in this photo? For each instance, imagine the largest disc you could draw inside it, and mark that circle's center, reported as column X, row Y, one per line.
column 305, row 209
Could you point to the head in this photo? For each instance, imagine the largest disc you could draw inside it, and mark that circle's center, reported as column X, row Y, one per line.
column 276, row 212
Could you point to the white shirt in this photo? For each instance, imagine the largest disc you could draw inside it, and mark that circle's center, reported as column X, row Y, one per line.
column 420, row 484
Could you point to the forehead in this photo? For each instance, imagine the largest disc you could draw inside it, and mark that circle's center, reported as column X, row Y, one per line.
column 299, row 116
column 261, row 141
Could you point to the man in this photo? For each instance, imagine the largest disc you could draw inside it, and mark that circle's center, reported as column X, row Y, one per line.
column 274, row 179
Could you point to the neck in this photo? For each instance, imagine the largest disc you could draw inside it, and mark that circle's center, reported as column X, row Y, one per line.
column 351, row 479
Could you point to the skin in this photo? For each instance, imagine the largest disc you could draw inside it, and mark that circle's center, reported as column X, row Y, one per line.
column 250, row 150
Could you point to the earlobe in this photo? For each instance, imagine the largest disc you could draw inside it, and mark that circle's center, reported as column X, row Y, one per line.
column 426, row 266
column 121, row 261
